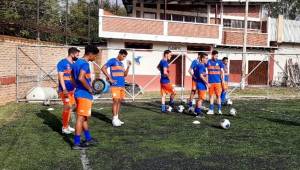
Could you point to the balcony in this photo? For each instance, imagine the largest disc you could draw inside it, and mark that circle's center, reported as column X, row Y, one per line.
column 129, row 28
column 158, row 30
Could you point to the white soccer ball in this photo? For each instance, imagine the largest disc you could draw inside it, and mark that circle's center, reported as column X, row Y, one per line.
column 225, row 124
column 180, row 108
column 229, row 102
column 233, row 112
column 169, row 109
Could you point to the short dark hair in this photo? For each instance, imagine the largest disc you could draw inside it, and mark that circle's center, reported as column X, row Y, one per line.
column 167, row 52
column 225, row 58
column 73, row 50
column 214, row 52
column 91, row 49
column 202, row 54
column 123, row 52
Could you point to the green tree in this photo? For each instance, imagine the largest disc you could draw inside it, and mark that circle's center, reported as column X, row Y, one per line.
column 290, row 9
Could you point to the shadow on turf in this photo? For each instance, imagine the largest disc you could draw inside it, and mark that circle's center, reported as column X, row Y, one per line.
column 55, row 124
column 281, row 121
column 101, row 116
column 151, row 106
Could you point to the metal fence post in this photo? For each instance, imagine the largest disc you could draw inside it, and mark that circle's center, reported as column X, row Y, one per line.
column 182, row 74
column 17, row 74
column 133, row 75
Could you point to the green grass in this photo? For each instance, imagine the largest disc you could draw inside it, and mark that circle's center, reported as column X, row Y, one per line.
column 264, row 135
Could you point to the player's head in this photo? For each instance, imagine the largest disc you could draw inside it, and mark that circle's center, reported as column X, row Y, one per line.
column 203, row 57
column 168, row 54
column 74, row 53
column 122, row 55
column 214, row 54
column 91, row 52
column 225, row 60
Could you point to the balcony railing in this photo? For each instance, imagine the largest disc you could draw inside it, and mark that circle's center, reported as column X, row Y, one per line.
column 158, row 30
column 130, row 28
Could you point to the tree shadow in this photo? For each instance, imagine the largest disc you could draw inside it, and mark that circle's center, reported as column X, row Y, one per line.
column 101, row 117
column 55, row 124
column 281, row 121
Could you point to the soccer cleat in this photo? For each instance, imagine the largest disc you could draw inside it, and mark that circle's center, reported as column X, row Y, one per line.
column 81, row 146
column 116, row 123
column 71, row 129
column 200, row 116
column 66, row 131
column 122, row 123
column 92, row 142
column 220, row 112
column 191, row 109
column 210, row 112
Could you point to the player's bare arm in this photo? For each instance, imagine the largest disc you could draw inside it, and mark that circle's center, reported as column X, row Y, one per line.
column 166, row 72
column 62, row 83
column 83, row 81
column 127, row 69
column 104, row 70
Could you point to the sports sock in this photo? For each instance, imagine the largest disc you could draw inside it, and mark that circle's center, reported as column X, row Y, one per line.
column 197, row 110
column 115, row 117
column 87, row 135
column 223, row 94
column 66, row 117
column 171, row 102
column 190, row 104
column 219, row 106
column 163, row 107
column 211, row 107
column 77, row 140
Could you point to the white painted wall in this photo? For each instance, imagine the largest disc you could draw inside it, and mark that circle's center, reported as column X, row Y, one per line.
column 282, row 55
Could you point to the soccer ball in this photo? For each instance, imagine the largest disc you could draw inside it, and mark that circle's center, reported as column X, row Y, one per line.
column 225, row 124
column 229, row 102
column 232, row 112
column 169, row 109
column 180, row 108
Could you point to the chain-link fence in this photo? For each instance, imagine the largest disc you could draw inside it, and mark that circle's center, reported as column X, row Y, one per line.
column 268, row 75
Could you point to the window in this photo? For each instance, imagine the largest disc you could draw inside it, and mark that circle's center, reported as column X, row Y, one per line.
column 229, row 23
column 201, row 20
column 149, row 15
column 177, row 17
column 198, row 48
column 138, row 14
column 153, row 6
column 189, row 18
column 162, row 16
column 138, row 45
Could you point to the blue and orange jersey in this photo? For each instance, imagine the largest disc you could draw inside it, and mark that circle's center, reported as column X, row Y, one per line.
column 116, row 72
column 214, row 71
column 200, row 70
column 194, row 65
column 64, row 66
column 226, row 73
column 163, row 78
column 81, row 91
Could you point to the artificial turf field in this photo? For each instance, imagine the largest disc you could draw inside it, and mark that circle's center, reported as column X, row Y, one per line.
column 264, row 135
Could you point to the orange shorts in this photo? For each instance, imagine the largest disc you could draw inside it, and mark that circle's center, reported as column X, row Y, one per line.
column 70, row 100
column 166, row 89
column 118, row 92
column 202, row 94
column 194, row 85
column 215, row 88
column 84, row 107
column 225, row 86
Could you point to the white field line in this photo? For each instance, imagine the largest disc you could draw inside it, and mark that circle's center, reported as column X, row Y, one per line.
column 85, row 161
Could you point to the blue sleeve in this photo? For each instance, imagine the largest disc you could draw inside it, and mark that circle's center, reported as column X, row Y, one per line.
column 109, row 63
column 165, row 64
column 221, row 64
column 192, row 65
column 60, row 67
column 85, row 67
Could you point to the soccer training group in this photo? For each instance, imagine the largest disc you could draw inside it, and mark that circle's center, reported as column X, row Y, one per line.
column 75, row 87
